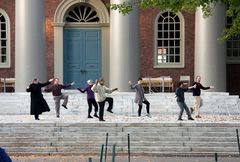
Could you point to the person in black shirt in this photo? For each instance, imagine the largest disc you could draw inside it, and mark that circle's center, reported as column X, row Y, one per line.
column 196, row 94
column 181, row 100
column 38, row 103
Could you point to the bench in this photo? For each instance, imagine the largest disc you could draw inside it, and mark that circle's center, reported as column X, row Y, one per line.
column 161, row 83
column 7, row 83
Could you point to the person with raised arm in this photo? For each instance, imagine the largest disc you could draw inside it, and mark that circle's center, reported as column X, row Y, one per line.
column 181, row 100
column 197, row 96
column 38, row 103
column 140, row 97
column 56, row 89
column 100, row 91
column 90, row 99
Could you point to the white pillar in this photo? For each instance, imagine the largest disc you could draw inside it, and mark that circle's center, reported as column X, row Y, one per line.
column 30, row 43
column 124, row 48
column 210, row 54
column 58, row 51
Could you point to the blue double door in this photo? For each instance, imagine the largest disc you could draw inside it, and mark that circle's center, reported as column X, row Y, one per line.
column 82, row 56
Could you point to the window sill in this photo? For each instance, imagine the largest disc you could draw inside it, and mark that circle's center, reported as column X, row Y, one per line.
column 159, row 66
column 3, row 66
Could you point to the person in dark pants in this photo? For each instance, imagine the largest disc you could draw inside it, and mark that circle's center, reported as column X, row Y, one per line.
column 100, row 91
column 181, row 100
column 56, row 90
column 90, row 99
column 140, row 97
column 38, row 103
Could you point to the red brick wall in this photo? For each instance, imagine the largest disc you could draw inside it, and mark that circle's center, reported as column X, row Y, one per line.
column 9, row 7
column 50, row 8
column 233, row 77
column 147, row 20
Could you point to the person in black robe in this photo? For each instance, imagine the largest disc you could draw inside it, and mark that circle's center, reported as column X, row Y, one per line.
column 38, row 103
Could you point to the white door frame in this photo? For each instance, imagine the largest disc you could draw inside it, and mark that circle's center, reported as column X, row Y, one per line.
column 59, row 25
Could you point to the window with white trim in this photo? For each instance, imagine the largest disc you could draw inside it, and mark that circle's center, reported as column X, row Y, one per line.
column 233, row 46
column 4, row 40
column 169, row 40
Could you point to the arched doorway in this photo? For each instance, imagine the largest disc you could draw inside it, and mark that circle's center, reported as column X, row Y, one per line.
column 81, row 41
column 82, row 46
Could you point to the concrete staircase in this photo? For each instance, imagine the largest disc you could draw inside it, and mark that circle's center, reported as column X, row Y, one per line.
column 51, row 137
column 161, row 103
column 145, row 138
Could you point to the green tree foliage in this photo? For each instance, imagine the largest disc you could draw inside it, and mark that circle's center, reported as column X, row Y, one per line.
column 232, row 10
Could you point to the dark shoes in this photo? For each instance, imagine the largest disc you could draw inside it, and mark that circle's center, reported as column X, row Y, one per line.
column 64, row 106
column 58, row 116
column 191, row 110
column 110, row 111
column 95, row 115
column 180, row 119
column 198, row 116
column 101, row 120
column 89, row 116
column 37, row 119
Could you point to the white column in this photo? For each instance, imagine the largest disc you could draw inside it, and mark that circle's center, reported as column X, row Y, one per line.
column 105, row 53
column 30, row 43
column 58, row 51
column 124, row 48
column 210, row 54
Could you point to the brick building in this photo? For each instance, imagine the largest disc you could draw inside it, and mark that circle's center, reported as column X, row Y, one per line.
column 83, row 39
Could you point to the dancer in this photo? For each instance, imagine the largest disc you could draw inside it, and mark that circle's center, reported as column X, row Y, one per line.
column 181, row 100
column 56, row 90
column 140, row 97
column 100, row 91
column 38, row 103
column 197, row 96
column 90, row 99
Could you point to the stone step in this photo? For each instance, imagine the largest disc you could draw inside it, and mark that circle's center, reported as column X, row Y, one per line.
column 93, row 129
column 119, row 149
column 96, row 144
column 63, row 138
column 117, row 138
column 124, row 153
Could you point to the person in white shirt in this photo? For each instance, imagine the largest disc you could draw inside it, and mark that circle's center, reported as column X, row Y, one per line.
column 100, row 91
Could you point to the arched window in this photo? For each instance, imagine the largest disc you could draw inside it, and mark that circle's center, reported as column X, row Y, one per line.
column 4, row 40
column 82, row 14
column 169, row 44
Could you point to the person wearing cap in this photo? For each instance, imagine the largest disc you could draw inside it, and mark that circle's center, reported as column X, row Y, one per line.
column 90, row 99
column 56, row 90
column 38, row 103
column 100, row 91
column 140, row 97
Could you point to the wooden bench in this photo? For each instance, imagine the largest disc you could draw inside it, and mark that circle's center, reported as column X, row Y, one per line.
column 161, row 83
column 7, row 83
